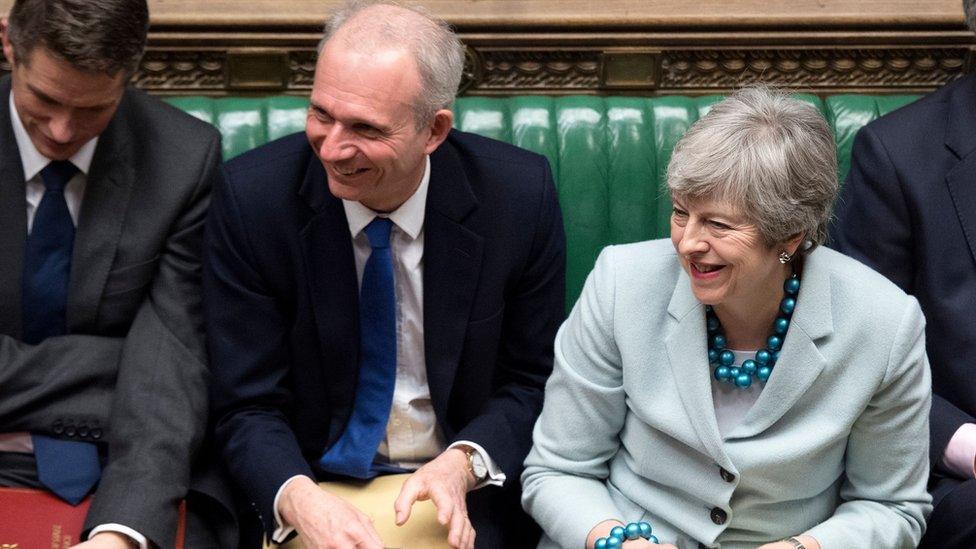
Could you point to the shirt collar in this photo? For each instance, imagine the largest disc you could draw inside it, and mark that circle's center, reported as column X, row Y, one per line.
column 32, row 160
column 409, row 216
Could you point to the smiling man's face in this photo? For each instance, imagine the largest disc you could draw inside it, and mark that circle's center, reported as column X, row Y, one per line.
column 61, row 106
column 361, row 125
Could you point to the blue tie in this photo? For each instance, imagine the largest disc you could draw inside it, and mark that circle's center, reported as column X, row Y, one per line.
column 352, row 455
column 69, row 469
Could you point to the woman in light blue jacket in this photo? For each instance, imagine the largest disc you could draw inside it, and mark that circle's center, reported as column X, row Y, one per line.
column 738, row 386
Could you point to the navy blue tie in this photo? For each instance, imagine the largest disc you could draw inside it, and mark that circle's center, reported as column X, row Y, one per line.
column 353, row 454
column 69, row 469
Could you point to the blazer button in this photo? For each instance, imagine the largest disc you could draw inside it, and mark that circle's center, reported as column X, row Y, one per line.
column 726, row 476
column 70, row 430
column 83, row 431
column 58, row 427
column 719, row 516
column 96, row 434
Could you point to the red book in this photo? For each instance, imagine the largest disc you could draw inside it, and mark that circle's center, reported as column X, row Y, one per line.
column 36, row 519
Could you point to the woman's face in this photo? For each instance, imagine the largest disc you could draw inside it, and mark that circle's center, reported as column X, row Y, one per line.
column 725, row 256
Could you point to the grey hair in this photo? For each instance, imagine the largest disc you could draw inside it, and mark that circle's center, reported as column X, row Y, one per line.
column 107, row 36
column 969, row 6
column 769, row 156
column 435, row 47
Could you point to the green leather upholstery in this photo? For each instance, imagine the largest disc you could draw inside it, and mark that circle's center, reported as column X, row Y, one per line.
column 608, row 154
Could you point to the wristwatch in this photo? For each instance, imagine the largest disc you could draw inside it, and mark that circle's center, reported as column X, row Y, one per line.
column 797, row 544
column 476, row 464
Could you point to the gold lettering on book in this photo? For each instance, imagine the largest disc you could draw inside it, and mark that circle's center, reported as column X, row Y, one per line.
column 56, row 536
column 9, row 546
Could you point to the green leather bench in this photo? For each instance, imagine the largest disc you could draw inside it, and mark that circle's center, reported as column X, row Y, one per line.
column 608, row 154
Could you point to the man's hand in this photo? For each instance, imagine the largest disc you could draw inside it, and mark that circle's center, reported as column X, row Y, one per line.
column 324, row 521
column 445, row 480
column 107, row 540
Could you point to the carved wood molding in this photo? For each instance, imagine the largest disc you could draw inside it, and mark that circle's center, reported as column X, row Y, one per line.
column 558, row 47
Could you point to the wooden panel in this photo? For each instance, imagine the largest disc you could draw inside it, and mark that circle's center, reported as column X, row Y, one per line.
column 558, row 47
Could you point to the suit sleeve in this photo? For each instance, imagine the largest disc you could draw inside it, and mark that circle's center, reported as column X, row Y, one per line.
column 564, row 482
column 248, row 343
column 159, row 408
column 533, row 312
column 874, row 226
column 884, row 498
column 32, row 374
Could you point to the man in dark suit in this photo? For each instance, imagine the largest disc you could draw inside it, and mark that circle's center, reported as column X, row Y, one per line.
column 103, row 196
column 908, row 209
column 384, row 300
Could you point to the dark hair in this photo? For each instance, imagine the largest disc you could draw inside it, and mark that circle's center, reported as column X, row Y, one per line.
column 105, row 36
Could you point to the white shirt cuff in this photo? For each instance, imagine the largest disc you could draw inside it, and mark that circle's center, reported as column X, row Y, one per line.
column 284, row 529
column 120, row 529
column 495, row 475
column 960, row 453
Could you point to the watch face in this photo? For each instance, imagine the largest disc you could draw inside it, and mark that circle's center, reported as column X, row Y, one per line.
column 478, row 466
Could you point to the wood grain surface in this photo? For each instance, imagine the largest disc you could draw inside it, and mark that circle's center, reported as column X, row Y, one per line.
column 582, row 13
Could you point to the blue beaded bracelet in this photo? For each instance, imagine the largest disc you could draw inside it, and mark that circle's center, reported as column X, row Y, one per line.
column 620, row 534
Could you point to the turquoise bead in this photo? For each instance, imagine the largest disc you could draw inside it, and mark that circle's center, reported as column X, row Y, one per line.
column 722, row 373
column 792, row 285
column 614, row 543
column 712, row 356
column 653, row 539
column 787, row 305
column 726, row 358
column 633, row 530
column 734, row 372
column 763, row 373
column 645, row 529
column 743, row 380
column 617, row 532
column 600, row 544
column 774, row 343
column 781, row 325
column 776, row 357
column 763, row 357
column 718, row 342
column 712, row 323
column 748, row 367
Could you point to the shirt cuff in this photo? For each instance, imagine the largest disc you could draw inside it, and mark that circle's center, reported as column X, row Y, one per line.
column 495, row 475
column 283, row 529
column 960, row 453
column 120, row 529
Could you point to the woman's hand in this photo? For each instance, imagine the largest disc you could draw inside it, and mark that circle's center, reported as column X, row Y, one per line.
column 602, row 530
column 807, row 542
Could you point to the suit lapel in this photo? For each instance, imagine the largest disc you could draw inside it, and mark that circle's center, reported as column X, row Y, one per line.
column 327, row 252
column 452, row 261
column 686, row 344
column 13, row 220
column 103, row 212
column 961, row 139
column 800, row 361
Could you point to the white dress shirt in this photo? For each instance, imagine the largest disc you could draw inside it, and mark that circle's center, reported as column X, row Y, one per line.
column 33, row 162
column 413, row 436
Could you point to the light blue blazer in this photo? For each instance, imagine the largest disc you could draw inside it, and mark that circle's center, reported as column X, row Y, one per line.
column 835, row 446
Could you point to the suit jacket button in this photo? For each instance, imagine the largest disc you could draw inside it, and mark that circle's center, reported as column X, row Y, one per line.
column 70, row 430
column 83, row 431
column 726, row 475
column 719, row 516
column 96, row 434
column 58, row 427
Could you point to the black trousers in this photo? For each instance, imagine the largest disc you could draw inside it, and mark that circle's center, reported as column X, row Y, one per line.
column 953, row 521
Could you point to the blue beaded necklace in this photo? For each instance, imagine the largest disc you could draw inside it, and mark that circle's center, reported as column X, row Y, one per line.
column 762, row 367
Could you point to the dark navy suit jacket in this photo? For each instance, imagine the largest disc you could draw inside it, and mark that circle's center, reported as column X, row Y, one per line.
column 908, row 209
column 281, row 304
